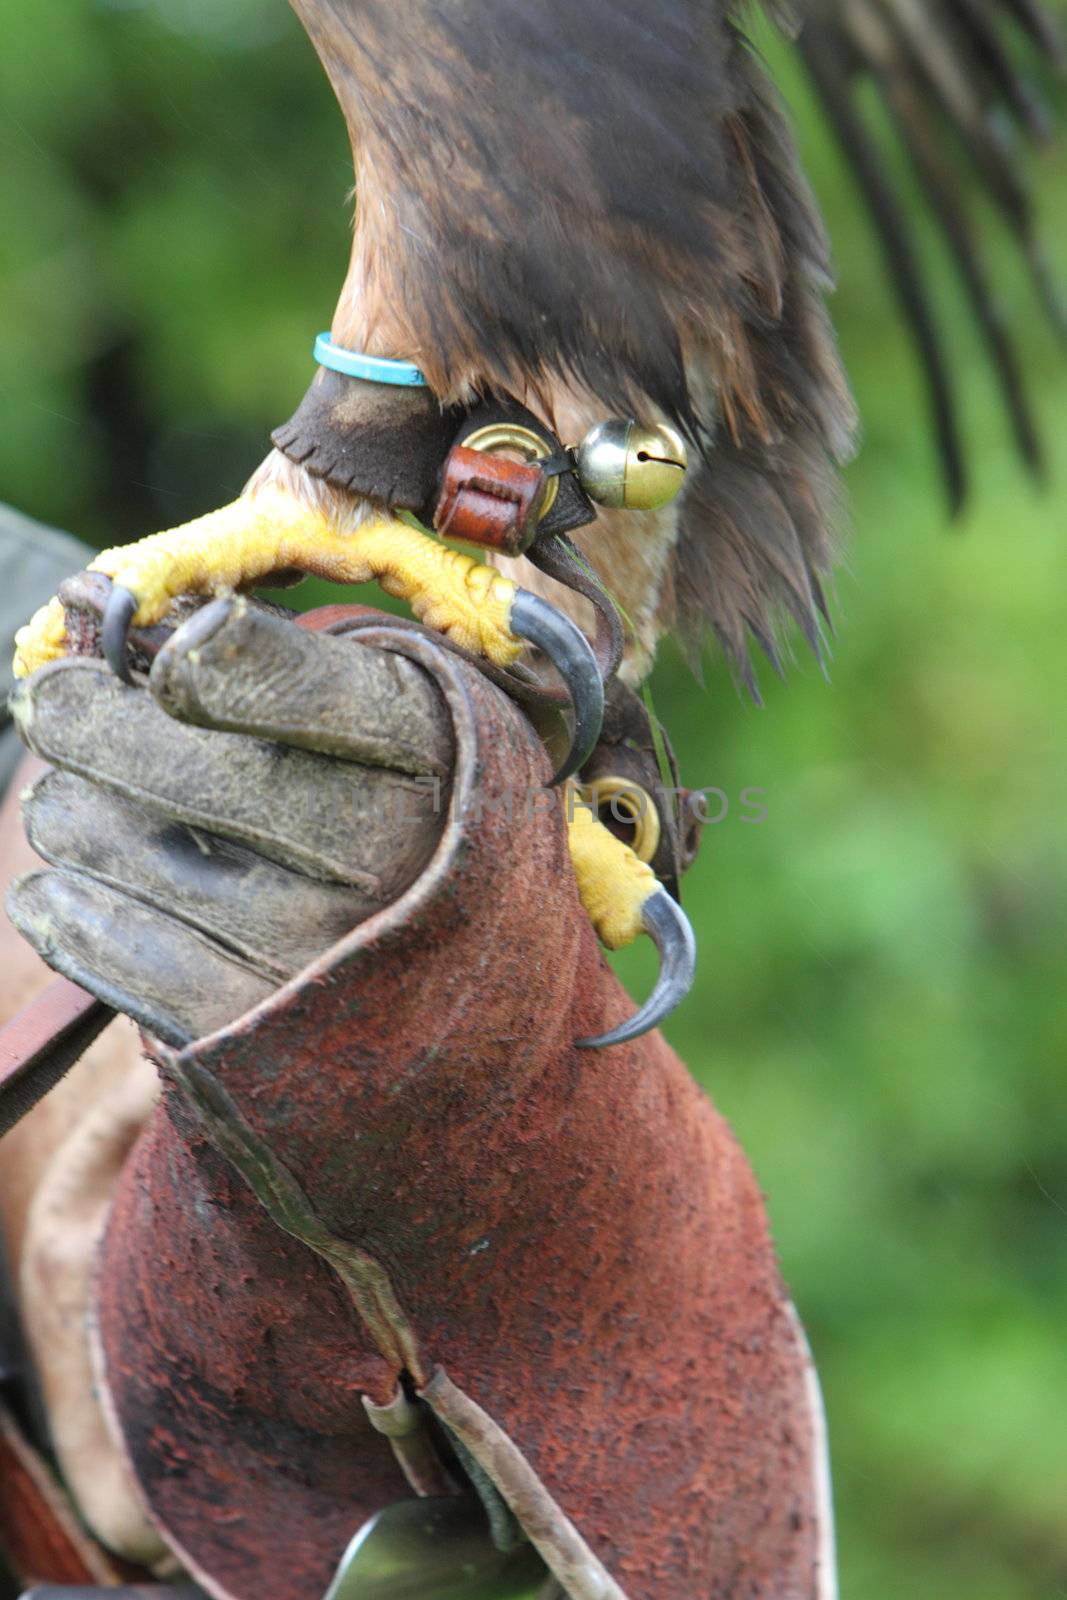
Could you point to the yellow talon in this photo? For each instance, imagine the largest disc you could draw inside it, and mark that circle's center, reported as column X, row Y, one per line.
column 623, row 898
column 270, row 531
column 612, row 882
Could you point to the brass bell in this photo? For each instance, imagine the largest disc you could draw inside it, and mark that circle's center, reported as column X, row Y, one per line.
column 634, row 465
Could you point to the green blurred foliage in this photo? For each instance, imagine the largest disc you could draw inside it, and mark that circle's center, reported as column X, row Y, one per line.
column 881, row 1009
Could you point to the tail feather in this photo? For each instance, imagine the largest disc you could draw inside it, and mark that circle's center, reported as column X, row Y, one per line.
column 950, row 75
column 760, row 517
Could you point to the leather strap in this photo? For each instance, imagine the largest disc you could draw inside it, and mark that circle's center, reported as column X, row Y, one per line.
column 40, row 1045
column 557, row 557
column 371, row 439
column 391, row 444
column 572, row 507
column 628, row 749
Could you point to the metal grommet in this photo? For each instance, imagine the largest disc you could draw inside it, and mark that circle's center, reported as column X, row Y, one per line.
column 496, row 437
column 630, row 806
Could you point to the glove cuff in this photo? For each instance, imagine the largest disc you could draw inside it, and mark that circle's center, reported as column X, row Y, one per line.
column 399, row 1167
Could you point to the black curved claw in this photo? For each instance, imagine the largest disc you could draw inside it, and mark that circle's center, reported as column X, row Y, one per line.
column 569, row 651
column 119, row 613
column 671, row 931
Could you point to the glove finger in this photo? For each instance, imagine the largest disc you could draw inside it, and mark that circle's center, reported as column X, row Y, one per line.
column 333, row 820
column 173, row 981
column 241, row 669
column 276, row 920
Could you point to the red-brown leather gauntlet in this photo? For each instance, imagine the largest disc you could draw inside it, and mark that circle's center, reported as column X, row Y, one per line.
column 394, row 1196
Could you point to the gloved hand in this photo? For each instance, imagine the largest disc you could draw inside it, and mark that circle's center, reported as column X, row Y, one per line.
column 397, row 1191
column 194, row 869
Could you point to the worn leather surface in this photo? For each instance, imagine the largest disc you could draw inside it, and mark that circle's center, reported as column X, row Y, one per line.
column 490, row 501
column 387, row 443
column 390, row 444
column 197, row 867
column 38, row 1047
column 572, row 507
column 573, row 1236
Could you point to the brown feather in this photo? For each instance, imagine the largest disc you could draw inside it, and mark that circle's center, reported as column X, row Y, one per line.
column 759, row 520
column 958, row 83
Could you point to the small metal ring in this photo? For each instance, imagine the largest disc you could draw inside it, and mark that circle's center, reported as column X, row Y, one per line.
column 630, row 806
column 496, row 437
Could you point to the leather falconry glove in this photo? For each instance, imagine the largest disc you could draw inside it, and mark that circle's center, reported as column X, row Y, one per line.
column 623, row 893
column 391, row 1230
column 194, row 871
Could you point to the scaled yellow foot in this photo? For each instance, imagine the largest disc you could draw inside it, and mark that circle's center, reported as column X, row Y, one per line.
column 612, row 881
column 270, row 531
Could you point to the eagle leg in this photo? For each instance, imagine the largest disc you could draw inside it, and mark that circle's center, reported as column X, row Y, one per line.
column 269, row 531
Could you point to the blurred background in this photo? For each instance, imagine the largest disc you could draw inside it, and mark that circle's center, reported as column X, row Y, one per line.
column 882, row 1005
